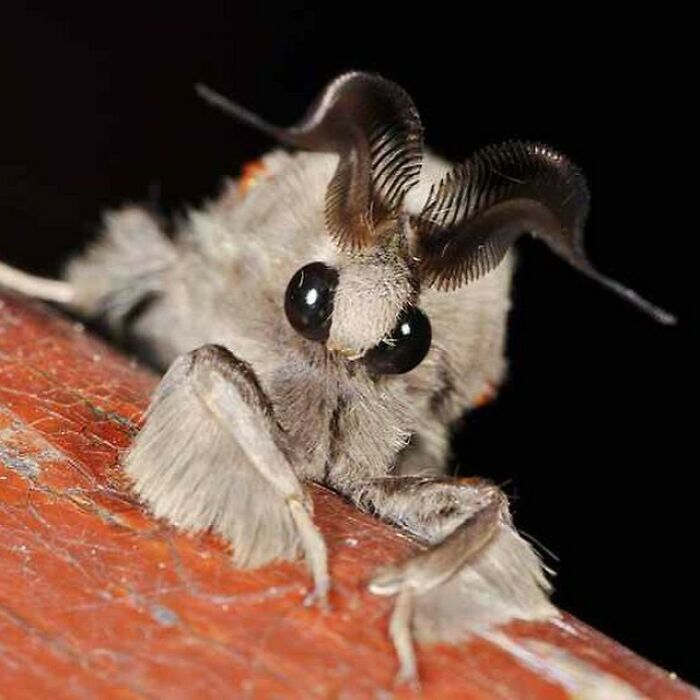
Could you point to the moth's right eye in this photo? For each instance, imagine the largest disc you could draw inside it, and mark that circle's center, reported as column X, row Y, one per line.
column 308, row 302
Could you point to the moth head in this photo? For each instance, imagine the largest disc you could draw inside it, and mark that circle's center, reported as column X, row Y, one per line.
column 368, row 306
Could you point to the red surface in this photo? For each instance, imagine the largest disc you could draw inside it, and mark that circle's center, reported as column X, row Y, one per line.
column 98, row 599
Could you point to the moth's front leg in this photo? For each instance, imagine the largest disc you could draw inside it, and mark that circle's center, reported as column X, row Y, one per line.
column 211, row 455
column 476, row 572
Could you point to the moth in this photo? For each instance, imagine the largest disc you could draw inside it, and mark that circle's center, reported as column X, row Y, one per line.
column 328, row 320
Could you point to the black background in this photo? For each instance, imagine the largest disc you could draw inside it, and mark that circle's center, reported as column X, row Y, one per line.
column 592, row 433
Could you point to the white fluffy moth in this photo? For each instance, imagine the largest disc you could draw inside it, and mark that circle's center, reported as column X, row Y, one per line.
column 328, row 323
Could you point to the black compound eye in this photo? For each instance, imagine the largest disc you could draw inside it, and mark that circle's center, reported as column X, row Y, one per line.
column 405, row 348
column 308, row 302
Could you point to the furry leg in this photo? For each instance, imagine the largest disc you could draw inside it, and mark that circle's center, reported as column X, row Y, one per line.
column 476, row 573
column 212, row 456
column 33, row 286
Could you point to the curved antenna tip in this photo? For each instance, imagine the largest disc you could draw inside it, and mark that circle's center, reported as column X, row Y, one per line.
column 665, row 317
column 237, row 111
column 656, row 312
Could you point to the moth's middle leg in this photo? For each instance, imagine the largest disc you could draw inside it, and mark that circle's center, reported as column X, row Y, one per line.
column 211, row 455
column 475, row 572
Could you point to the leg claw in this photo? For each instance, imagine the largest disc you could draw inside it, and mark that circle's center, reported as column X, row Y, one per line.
column 408, row 678
column 318, row 597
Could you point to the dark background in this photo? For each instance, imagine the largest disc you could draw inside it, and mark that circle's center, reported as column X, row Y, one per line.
column 592, row 433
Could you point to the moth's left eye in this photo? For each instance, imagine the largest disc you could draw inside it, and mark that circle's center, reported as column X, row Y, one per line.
column 406, row 347
column 308, row 302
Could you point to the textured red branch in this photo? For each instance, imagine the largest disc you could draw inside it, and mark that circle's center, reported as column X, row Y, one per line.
column 98, row 599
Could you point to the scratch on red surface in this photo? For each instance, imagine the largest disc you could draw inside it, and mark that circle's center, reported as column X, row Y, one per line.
column 97, row 599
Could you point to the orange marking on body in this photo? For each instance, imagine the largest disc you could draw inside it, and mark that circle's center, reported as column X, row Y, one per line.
column 251, row 174
column 486, row 396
